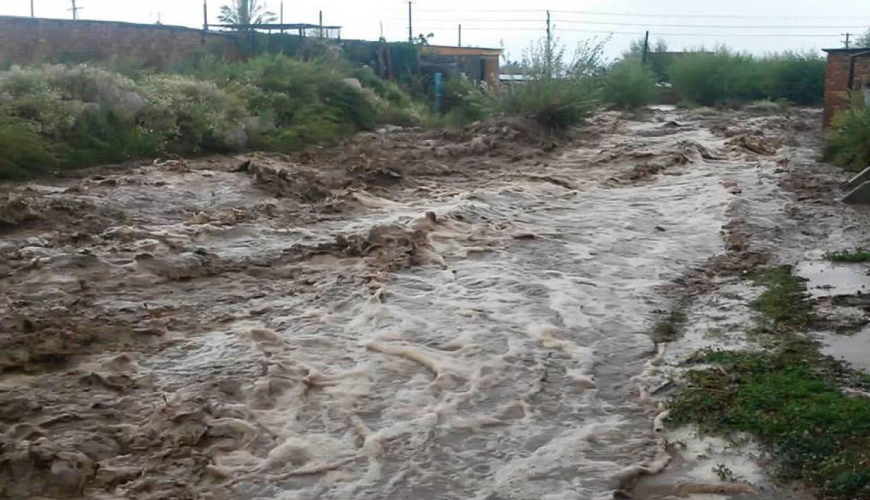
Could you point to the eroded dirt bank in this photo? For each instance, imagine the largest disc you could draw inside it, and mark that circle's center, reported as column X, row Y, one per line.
column 414, row 315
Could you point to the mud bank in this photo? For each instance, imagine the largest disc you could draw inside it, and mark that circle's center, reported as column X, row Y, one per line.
column 413, row 315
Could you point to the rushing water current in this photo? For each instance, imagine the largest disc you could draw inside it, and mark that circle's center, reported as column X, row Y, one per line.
column 501, row 368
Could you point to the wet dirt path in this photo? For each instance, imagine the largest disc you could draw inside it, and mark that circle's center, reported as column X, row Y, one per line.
column 431, row 317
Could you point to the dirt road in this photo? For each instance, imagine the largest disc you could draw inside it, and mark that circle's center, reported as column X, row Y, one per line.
column 413, row 315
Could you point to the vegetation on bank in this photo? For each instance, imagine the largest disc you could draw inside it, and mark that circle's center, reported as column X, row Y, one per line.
column 54, row 117
column 725, row 77
column 557, row 93
column 58, row 116
column 854, row 256
column 847, row 143
column 788, row 396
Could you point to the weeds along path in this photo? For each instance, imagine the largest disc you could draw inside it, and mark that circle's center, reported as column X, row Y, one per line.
column 453, row 316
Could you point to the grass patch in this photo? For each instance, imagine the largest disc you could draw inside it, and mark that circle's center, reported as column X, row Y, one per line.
column 789, row 397
column 854, row 256
column 790, row 401
column 783, row 305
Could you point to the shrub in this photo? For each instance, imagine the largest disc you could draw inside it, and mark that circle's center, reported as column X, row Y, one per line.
column 24, row 152
column 384, row 89
column 554, row 103
column 629, row 85
column 795, row 77
column 80, row 115
column 465, row 102
column 848, row 140
column 558, row 94
column 724, row 77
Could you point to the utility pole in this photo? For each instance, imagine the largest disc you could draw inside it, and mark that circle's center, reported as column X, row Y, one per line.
column 410, row 24
column 32, row 12
column 549, row 51
column 75, row 10
column 847, row 42
column 460, row 35
column 321, row 24
column 282, row 16
column 205, row 15
column 645, row 48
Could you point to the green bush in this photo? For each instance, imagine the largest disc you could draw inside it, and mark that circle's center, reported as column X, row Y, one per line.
column 848, row 140
column 725, row 77
column 24, row 152
column 555, row 104
column 629, row 85
column 466, row 102
column 795, row 77
column 81, row 115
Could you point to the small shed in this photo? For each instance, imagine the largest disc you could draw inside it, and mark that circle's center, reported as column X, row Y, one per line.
column 478, row 64
column 847, row 70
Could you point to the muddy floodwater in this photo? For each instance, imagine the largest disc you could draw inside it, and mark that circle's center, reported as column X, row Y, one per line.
column 413, row 315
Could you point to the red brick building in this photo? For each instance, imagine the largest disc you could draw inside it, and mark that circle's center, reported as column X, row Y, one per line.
column 848, row 69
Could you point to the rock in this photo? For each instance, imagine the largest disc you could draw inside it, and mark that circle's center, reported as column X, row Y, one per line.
column 243, row 167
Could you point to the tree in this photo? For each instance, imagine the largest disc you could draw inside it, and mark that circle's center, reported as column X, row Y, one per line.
column 863, row 41
column 246, row 13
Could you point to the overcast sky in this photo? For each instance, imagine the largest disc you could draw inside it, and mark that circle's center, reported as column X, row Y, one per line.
column 757, row 26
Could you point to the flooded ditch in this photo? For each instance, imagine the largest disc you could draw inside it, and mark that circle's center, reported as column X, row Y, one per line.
column 424, row 317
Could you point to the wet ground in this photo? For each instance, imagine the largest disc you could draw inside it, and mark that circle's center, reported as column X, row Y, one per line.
column 413, row 315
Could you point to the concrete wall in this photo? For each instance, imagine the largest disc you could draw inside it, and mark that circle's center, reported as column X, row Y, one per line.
column 837, row 80
column 28, row 41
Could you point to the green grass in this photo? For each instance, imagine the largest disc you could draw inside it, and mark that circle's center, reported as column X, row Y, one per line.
column 854, row 256
column 783, row 305
column 790, row 401
column 788, row 396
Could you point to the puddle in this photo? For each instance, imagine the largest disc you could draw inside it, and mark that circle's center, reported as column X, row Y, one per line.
column 826, row 279
column 853, row 349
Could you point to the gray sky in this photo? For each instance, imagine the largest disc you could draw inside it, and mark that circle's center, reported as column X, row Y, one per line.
column 742, row 24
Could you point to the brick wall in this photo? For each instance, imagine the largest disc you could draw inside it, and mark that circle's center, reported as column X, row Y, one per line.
column 837, row 80
column 27, row 41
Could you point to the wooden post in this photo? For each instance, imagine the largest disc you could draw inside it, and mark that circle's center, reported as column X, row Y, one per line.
column 410, row 24
column 549, row 51
column 645, row 47
column 205, row 15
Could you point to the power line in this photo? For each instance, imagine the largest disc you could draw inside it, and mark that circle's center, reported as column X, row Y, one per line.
column 641, row 25
column 631, row 14
column 656, row 33
column 718, row 26
column 701, row 16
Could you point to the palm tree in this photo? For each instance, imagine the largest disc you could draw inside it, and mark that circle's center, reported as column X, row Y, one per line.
column 246, row 13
